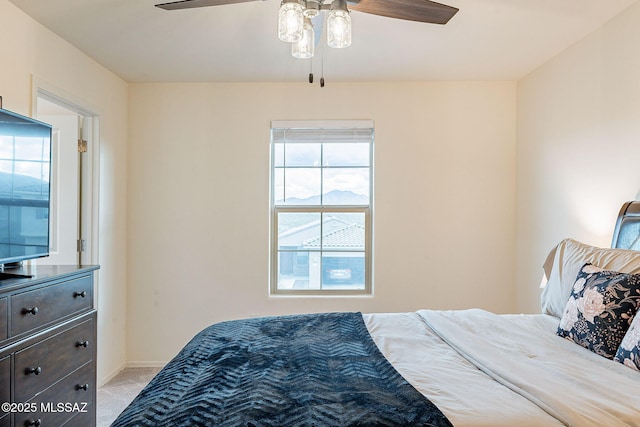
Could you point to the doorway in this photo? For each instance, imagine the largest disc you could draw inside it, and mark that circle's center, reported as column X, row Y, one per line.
column 73, row 236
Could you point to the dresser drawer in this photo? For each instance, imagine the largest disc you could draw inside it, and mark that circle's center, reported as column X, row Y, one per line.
column 33, row 309
column 4, row 321
column 84, row 419
column 5, row 381
column 67, row 399
column 42, row 364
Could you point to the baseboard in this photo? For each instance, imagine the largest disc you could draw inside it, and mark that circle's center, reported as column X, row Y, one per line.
column 110, row 376
column 154, row 364
column 147, row 364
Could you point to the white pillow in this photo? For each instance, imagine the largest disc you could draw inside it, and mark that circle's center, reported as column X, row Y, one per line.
column 565, row 261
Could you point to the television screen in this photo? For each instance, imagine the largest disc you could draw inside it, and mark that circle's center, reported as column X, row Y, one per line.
column 25, row 164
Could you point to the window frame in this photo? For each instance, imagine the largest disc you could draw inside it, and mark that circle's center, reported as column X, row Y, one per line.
column 275, row 210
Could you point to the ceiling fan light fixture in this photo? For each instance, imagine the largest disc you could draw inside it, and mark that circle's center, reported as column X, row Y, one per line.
column 312, row 8
column 290, row 21
column 304, row 48
column 339, row 25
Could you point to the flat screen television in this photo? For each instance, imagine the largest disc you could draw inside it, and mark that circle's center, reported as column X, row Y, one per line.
column 25, row 179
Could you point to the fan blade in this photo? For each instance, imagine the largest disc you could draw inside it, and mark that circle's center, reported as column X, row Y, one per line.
column 410, row 10
column 188, row 4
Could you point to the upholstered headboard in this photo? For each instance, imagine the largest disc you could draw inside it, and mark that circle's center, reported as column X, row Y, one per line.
column 626, row 235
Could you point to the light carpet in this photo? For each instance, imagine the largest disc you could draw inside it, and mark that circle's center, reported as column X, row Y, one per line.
column 116, row 394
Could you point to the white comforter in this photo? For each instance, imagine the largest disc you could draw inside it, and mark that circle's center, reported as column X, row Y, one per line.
column 483, row 369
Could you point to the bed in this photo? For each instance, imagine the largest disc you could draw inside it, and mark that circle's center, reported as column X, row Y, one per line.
column 577, row 363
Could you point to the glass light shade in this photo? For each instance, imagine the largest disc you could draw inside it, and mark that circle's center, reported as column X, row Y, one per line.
column 304, row 47
column 339, row 25
column 290, row 21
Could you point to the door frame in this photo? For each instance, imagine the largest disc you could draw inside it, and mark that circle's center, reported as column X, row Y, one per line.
column 90, row 178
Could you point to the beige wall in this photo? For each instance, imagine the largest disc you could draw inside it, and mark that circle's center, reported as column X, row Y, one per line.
column 29, row 51
column 578, row 146
column 198, row 200
column 184, row 204
column 445, row 178
column 438, row 145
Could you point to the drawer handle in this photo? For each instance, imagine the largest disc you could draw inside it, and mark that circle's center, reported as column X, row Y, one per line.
column 80, row 294
column 35, row 423
column 32, row 310
column 34, row 371
column 84, row 344
column 84, row 387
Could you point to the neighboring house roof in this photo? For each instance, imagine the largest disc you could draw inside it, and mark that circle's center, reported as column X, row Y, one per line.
column 20, row 186
column 351, row 236
column 336, row 233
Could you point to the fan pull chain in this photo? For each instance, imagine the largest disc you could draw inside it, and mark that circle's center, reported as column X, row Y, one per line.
column 322, row 66
column 311, row 70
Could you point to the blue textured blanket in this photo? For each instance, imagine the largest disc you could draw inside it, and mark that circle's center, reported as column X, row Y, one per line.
column 304, row 370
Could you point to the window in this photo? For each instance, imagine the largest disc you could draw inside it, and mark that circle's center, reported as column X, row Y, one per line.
column 321, row 205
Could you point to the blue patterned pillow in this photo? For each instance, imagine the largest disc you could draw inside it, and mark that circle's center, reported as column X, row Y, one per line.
column 629, row 350
column 600, row 309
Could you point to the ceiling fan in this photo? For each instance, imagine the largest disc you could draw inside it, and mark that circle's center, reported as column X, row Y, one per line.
column 297, row 19
column 411, row 10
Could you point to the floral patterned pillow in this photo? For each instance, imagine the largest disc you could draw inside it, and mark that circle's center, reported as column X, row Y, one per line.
column 629, row 350
column 600, row 309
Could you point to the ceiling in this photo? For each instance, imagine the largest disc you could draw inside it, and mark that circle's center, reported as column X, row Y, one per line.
column 486, row 40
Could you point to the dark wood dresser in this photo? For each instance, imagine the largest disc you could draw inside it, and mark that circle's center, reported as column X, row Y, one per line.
column 48, row 347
